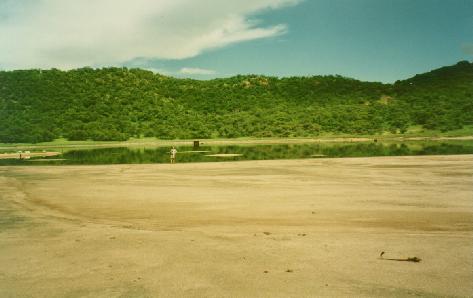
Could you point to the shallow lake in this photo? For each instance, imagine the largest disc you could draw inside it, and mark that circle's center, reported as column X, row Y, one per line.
column 186, row 154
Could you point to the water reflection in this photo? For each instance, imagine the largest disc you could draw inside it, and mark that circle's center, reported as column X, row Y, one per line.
column 186, row 154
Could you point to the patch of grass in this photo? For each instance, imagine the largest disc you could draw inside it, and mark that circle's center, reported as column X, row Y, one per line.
column 412, row 132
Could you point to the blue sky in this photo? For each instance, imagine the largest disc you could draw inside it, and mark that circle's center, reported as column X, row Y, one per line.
column 375, row 40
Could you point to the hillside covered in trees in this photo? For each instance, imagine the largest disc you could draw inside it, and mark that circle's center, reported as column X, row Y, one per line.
column 119, row 103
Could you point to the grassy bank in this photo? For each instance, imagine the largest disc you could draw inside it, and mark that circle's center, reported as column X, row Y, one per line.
column 413, row 133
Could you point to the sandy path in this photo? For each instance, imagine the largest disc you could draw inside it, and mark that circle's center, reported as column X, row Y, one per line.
column 213, row 229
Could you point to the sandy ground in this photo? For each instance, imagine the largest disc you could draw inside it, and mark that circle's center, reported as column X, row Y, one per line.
column 298, row 228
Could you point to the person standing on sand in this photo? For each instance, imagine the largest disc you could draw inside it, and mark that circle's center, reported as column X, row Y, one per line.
column 173, row 154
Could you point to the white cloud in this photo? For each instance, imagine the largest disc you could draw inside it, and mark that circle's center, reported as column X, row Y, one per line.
column 73, row 33
column 197, row 71
column 161, row 71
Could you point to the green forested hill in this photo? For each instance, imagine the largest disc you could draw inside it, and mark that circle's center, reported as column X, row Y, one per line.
column 118, row 103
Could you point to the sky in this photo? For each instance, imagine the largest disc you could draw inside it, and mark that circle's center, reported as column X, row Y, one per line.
column 371, row 40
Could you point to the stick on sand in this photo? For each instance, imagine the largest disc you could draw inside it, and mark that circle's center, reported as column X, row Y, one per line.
column 410, row 259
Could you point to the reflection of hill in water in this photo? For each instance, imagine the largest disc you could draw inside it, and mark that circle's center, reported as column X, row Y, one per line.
column 127, row 155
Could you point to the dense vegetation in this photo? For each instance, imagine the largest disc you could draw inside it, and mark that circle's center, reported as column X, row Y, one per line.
column 118, row 103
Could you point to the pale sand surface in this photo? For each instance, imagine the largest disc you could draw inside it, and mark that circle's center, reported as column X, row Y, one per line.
column 213, row 229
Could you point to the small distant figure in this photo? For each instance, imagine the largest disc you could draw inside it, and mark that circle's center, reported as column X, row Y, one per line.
column 173, row 153
column 381, row 255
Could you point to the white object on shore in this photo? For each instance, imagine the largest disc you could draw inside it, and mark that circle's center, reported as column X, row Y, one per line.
column 224, row 155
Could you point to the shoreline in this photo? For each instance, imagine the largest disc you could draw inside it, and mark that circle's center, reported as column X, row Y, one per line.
column 220, row 142
column 27, row 155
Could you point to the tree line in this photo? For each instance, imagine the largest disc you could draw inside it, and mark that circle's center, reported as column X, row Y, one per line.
column 119, row 103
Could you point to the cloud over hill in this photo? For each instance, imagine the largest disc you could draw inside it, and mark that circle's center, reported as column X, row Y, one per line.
column 69, row 34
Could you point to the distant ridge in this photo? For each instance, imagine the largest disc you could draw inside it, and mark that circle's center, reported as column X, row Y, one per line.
column 118, row 103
